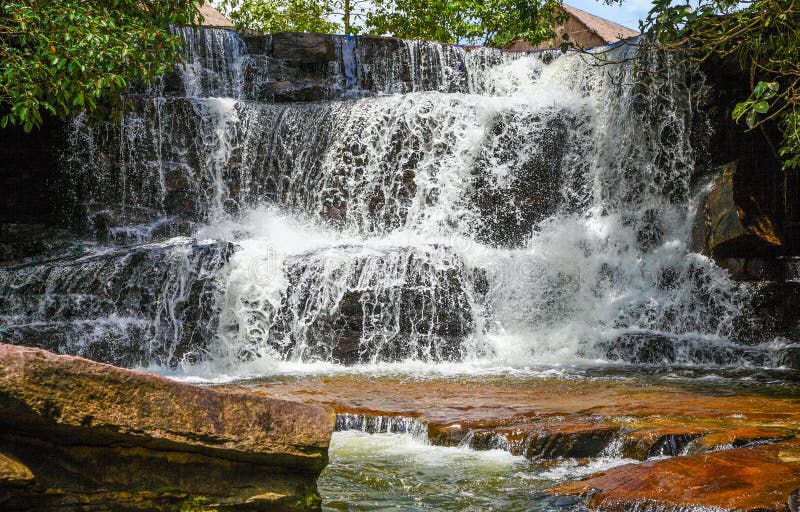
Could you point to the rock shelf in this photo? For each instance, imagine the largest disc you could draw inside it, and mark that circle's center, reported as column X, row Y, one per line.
column 80, row 435
column 727, row 450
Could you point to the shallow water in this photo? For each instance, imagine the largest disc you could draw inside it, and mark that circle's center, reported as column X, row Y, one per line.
column 403, row 472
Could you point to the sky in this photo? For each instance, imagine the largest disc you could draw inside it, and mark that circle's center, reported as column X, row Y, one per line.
column 628, row 13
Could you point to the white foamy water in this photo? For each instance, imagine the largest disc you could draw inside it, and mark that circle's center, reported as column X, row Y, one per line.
column 400, row 232
column 483, row 212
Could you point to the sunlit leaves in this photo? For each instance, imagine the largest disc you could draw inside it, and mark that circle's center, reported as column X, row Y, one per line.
column 757, row 103
column 270, row 16
column 488, row 22
column 81, row 55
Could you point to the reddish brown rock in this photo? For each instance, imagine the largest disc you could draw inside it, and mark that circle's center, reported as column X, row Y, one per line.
column 736, row 438
column 763, row 478
column 116, row 439
column 553, row 418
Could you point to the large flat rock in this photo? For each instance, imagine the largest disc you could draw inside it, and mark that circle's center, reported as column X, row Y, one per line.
column 96, row 434
column 545, row 418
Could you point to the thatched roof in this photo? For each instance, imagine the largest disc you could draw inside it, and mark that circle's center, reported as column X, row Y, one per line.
column 214, row 18
column 584, row 29
column 608, row 31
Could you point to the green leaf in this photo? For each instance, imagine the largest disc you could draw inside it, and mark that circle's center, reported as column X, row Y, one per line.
column 751, row 118
column 762, row 107
column 739, row 110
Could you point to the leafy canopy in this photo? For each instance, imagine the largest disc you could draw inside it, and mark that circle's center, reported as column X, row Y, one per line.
column 270, row 16
column 66, row 56
column 488, row 22
column 763, row 36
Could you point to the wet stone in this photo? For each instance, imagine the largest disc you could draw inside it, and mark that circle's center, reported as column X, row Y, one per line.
column 763, row 478
column 79, row 435
column 361, row 306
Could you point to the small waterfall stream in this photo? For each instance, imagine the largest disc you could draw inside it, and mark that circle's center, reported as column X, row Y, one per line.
column 446, row 206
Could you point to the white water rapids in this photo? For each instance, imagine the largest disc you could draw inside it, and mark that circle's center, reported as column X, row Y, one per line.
column 605, row 253
column 477, row 210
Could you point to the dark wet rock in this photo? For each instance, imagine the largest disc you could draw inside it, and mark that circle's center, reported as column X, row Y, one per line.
column 663, row 349
column 281, row 92
column 361, row 305
column 20, row 242
column 671, row 445
column 148, row 304
column 559, row 439
column 82, row 436
column 655, row 441
column 303, row 47
column 510, row 206
column 644, row 348
column 731, row 223
column 754, row 269
column 774, row 311
column 789, row 356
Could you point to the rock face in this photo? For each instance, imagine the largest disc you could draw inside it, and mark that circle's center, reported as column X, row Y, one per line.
column 731, row 223
column 765, row 478
column 354, row 306
column 79, row 435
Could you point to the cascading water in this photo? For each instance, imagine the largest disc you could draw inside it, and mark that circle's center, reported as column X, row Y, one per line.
column 478, row 206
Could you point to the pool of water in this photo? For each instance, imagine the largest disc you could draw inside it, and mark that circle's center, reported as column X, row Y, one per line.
column 379, row 472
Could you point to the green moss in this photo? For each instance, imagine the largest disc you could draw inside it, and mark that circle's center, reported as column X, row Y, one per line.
column 311, row 502
column 197, row 504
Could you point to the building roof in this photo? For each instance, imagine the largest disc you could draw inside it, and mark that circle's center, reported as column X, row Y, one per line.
column 214, row 18
column 607, row 30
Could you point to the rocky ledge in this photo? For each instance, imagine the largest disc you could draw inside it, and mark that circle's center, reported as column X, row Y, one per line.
column 727, row 449
column 79, row 435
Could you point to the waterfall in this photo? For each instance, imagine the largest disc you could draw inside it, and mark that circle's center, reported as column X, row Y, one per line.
column 152, row 304
column 433, row 203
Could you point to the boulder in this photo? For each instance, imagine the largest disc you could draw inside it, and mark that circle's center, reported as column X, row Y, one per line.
column 762, row 478
column 731, row 223
column 80, row 435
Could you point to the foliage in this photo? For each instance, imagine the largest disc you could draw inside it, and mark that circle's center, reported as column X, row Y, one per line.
column 80, row 55
column 488, row 22
column 270, row 16
column 763, row 36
